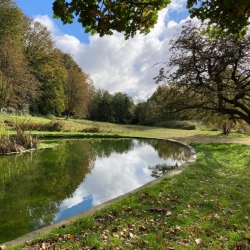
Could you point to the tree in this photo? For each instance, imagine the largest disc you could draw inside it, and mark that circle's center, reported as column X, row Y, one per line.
column 103, row 17
column 11, row 21
column 225, row 16
column 75, row 90
column 16, row 83
column 209, row 74
column 101, row 107
column 52, row 76
column 47, row 65
column 38, row 44
column 144, row 112
column 78, row 88
column 122, row 108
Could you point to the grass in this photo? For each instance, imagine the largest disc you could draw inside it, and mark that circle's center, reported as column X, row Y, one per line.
column 207, row 206
column 79, row 127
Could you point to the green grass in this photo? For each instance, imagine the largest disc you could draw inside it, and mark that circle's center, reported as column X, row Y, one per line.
column 76, row 126
column 207, row 206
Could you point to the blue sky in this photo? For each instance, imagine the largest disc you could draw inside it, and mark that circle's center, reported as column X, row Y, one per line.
column 44, row 7
column 113, row 63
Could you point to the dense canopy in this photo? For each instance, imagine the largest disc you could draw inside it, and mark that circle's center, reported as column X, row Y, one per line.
column 103, row 17
column 129, row 16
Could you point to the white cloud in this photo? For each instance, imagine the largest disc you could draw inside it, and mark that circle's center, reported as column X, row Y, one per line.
column 122, row 65
column 116, row 175
column 46, row 21
column 177, row 5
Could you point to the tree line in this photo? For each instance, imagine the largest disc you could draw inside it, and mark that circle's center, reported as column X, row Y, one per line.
column 38, row 78
column 208, row 78
column 35, row 76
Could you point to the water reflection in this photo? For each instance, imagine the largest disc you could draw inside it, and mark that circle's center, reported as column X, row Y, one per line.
column 44, row 187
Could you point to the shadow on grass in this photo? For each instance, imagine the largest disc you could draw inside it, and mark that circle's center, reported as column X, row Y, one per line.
column 207, row 206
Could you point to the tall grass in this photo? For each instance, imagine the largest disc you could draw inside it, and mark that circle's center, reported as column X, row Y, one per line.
column 18, row 142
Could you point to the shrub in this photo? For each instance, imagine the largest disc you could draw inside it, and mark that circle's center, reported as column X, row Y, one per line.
column 50, row 116
column 53, row 125
column 189, row 127
column 94, row 129
column 28, row 125
column 177, row 124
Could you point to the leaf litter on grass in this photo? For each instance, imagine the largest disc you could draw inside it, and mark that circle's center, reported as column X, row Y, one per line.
column 205, row 207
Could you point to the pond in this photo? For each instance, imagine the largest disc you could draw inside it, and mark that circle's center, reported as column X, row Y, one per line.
column 41, row 188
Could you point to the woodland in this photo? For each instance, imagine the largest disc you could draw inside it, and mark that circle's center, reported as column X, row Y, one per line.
column 205, row 80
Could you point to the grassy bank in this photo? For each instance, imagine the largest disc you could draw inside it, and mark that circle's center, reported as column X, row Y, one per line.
column 207, row 206
column 52, row 127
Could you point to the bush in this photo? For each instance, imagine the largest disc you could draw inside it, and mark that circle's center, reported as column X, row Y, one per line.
column 189, row 127
column 50, row 116
column 177, row 124
column 53, row 125
column 28, row 125
column 94, row 129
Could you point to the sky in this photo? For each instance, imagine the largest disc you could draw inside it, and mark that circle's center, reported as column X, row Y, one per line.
column 113, row 63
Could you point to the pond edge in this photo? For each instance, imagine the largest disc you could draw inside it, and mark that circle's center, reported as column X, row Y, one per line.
column 30, row 236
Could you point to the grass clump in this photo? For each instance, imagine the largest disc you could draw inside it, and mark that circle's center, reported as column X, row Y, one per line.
column 17, row 143
column 207, row 206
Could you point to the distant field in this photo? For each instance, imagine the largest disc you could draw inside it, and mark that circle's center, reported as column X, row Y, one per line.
column 82, row 127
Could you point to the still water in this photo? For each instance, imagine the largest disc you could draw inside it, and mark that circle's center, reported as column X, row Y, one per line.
column 44, row 187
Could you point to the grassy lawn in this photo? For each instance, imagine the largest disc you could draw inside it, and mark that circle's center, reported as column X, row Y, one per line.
column 207, row 206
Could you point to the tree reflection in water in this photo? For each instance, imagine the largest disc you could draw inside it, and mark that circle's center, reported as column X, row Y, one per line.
column 33, row 186
column 161, row 169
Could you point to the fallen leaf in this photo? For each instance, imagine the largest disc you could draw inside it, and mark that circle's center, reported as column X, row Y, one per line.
column 198, row 241
column 169, row 213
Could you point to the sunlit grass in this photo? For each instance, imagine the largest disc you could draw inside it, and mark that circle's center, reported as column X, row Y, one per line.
column 204, row 207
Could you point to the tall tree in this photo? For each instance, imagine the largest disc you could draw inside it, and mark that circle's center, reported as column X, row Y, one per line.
column 101, row 106
column 47, row 65
column 129, row 16
column 145, row 112
column 209, row 74
column 76, row 90
column 38, row 44
column 16, row 83
column 52, row 76
column 122, row 108
column 11, row 21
